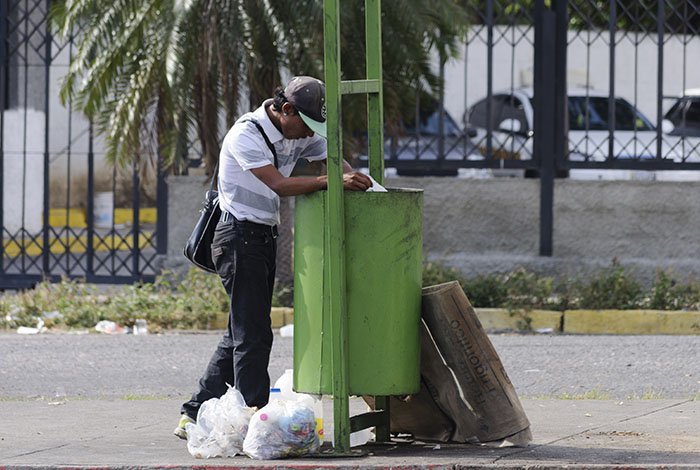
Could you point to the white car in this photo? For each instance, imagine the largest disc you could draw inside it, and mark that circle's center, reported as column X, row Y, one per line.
column 685, row 114
column 512, row 117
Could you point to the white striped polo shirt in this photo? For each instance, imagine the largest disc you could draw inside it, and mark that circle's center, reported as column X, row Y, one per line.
column 241, row 193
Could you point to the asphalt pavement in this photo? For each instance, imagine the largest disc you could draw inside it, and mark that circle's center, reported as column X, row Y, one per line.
column 112, row 401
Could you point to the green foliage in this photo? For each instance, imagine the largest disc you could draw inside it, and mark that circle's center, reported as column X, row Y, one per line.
column 486, row 290
column 195, row 300
column 283, row 295
column 612, row 288
column 192, row 301
column 527, row 290
column 668, row 293
column 154, row 72
column 437, row 273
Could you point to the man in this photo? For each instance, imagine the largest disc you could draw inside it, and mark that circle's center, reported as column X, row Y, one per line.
column 254, row 168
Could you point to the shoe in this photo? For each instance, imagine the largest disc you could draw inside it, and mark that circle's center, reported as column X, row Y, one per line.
column 180, row 431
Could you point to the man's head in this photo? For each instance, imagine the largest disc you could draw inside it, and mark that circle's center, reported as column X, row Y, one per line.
column 307, row 96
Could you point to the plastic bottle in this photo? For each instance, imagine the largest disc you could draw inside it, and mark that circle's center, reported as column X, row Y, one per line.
column 285, row 386
column 275, row 394
column 140, row 327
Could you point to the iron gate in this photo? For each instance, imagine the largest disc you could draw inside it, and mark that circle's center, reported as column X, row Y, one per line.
column 65, row 211
column 560, row 88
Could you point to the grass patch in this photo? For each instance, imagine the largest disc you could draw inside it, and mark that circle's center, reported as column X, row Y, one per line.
column 137, row 397
column 648, row 394
column 195, row 300
column 614, row 287
column 594, row 394
column 190, row 302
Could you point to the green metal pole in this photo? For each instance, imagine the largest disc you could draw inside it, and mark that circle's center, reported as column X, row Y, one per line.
column 375, row 111
column 335, row 227
column 375, row 132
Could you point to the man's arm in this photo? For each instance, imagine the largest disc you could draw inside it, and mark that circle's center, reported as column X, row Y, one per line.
column 293, row 186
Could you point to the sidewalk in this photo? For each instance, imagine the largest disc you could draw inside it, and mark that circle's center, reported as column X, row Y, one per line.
column 121, row 434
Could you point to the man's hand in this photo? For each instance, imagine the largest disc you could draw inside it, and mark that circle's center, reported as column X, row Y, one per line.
column 356, row 181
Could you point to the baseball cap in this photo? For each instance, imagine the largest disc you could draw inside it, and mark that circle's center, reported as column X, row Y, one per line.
column 308, row 95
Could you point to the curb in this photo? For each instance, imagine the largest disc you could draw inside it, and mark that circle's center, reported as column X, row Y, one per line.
column 592, row 322
column 631, row 322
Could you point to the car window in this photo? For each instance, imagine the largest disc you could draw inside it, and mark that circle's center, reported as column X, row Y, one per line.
column 675, row 113
column 591, row 113
column 429, row 125
column 478, row 116
column 512, row 108
column 692, row 115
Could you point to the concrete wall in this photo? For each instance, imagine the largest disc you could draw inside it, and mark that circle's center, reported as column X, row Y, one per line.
column 487, row 226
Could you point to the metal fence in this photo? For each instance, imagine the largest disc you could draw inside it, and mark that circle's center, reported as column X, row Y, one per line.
column 580, row 89
column 65, row 212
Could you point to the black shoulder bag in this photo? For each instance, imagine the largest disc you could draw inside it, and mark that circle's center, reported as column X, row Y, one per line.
column 198, row 245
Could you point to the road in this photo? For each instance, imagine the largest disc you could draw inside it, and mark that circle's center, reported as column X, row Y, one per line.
column 168, row 366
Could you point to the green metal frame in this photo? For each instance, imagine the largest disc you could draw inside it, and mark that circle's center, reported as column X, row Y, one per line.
column 335, row 88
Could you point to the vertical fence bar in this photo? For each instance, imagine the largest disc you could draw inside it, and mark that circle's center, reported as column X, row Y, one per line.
column 612, row 26
column 489, row 79
column 25, row 99
column 545, row 109
column 161, row 209
column 561, row 116
column 375, row 112
column 4, row 62
column 335, row 228
column 441, row 112
column 46, row 249
column 90, row 206
column 136, row 230
column 660, row 20
column 66, row 228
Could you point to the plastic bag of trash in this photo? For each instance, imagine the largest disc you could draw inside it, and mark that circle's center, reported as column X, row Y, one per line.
column 281, row 429
column 221, row 427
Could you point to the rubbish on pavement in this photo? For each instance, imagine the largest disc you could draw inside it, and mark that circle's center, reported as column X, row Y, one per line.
column 140, row 327
column 282, row 428
column 27, row 330
column 287, row 331
column 221, row 427
column 463, row 383
column 109, row 328
column 284, row 385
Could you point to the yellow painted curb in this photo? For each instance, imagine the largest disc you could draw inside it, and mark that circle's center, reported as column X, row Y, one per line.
column 631, row 322
column 75, row 216
column 220, row 321
column 528, row 320
column 614, row 322
column 277, row 317
column 280, row 316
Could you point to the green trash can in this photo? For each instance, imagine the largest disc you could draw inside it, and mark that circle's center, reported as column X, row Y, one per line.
column 383, row 261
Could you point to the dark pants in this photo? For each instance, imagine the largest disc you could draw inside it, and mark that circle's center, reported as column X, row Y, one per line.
column 244, row 255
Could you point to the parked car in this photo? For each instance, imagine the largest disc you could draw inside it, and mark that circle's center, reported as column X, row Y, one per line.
column 422, row 145
column 685, row 114
column 512, row 117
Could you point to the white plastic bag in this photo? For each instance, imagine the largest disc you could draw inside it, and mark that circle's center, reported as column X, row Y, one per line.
column 284, row 385
column 221, row 427
column 281, row 429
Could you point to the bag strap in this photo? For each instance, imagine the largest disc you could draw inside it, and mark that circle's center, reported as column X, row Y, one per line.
column 267, row 140
column 215, row 175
